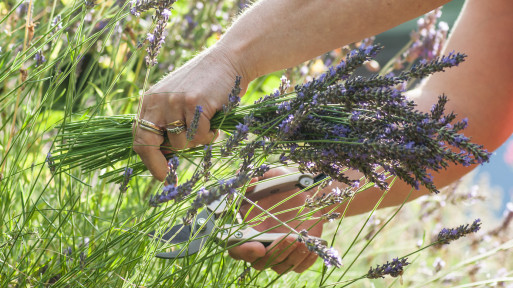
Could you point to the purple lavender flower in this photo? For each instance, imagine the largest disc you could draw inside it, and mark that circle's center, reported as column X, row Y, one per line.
column 207, row 162
column 150, row 37
column 49, row 161
column 165, row 14
column 260, row 171
column 240, row 134
column 223, row 187
column 233, row 97
column 139, row 6
column 329, row 255
column 193, row 127
column 447, row 235
column 56, row 24
column 172, row 191
column 394, row 269
column 428, row 40
column 126, row 178
column 39, row 58
column 172, row 165
column 162, row 15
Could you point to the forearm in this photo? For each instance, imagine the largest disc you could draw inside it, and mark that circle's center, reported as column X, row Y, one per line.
column 278, row 34
column 480, row 89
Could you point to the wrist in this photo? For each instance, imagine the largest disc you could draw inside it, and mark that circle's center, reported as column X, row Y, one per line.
column 235, row 62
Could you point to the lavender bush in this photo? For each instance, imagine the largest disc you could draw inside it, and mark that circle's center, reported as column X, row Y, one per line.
column 76, row 204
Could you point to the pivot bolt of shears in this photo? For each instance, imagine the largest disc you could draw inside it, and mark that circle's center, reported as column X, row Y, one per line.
column 305, row 181
column 201, row 221
column 238, row 234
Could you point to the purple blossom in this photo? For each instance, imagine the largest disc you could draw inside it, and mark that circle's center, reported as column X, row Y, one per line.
column 428, row 40
column 329, row 255
column 39, row 58
column 166, row 13
column 172, row 165
column 193, row 127
column 157, row 37
column 150, row 37
column 127, row 175
column 56, row 24
column 240, row 134
column 394, row 269
column 139, row 6
column 447, row 235
column 49, row 161
column 233, row 97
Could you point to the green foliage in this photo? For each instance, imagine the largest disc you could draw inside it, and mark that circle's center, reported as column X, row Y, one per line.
column 74, row 229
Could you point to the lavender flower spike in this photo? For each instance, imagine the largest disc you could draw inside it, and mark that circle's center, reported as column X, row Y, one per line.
column 139, row 6
column 394, row 269
column 193, row 127
column 329, row 255
column 233, row 97
column 126, row 178
column 50, row 162
column 40, row 58
column 447, row 235
column 162, row 14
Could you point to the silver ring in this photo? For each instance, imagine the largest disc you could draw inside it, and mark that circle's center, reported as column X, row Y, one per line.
column 176, row 130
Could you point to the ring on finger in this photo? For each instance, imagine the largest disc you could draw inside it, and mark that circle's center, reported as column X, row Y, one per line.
column 150, row 126
column 176, row 130
column 177, row 123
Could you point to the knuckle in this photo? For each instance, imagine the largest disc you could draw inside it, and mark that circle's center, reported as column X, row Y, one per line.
column 192, row 99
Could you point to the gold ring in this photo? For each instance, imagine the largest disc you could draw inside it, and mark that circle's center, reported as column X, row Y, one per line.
column 153, row 130
column 150, row 126
column 176, row 130
column 177, row 123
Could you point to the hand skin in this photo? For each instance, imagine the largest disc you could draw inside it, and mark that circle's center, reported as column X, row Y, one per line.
column 176, row 97
column 271, row 36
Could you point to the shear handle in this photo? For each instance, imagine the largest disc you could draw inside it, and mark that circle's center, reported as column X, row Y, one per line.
column 249, row 234
column 281, row 184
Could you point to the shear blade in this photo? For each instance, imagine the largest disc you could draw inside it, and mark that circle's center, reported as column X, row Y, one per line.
column 176, row 234
column 201, row 230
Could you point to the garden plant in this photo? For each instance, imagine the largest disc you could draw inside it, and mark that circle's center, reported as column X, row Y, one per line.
column 78, row 207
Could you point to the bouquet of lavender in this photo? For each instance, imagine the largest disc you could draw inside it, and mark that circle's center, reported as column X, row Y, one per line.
column 326, row 125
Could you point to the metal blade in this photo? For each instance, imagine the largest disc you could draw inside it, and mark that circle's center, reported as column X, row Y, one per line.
column 174, row 235
column 200, row 236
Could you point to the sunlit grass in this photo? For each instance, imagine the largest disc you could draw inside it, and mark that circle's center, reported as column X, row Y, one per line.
column 75, row 229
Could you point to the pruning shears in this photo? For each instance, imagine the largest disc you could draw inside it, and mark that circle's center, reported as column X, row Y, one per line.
column 204, row 225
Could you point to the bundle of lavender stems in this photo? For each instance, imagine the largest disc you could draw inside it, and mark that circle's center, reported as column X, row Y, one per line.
column 334, row 122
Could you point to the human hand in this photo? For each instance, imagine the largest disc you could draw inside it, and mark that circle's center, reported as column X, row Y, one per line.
column 283, row 255
column 204, row 81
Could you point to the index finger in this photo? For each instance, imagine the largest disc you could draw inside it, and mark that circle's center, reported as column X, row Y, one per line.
column 147, row 146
